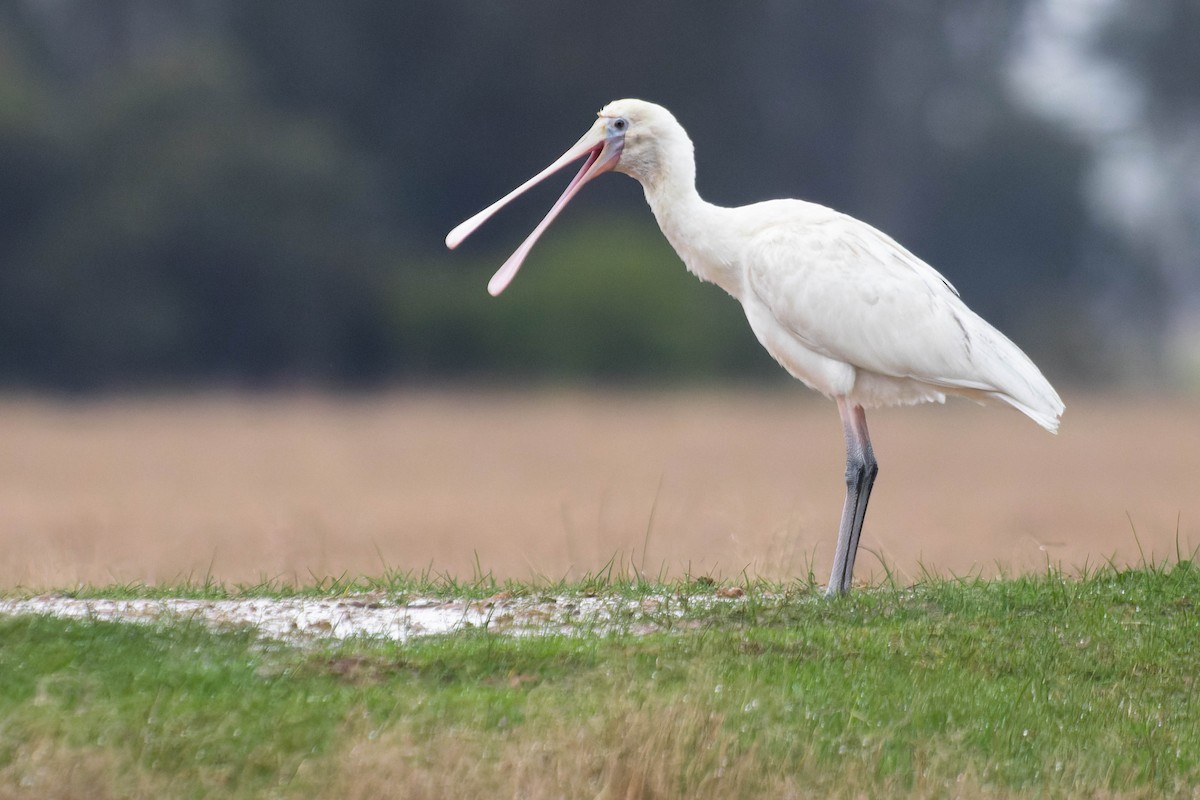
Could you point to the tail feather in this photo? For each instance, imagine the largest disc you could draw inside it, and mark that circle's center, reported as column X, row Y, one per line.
column 1047, row 414
column 1017, row 381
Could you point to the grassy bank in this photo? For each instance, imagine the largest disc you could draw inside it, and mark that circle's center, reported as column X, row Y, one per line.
column 1032, row 686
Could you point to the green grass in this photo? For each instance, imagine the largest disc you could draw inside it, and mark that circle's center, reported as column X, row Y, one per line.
column 1032, row 686
column 622, row 578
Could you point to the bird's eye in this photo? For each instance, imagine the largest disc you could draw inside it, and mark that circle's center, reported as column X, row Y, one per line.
column 620, row 124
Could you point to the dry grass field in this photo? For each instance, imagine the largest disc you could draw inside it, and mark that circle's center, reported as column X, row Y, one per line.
column 558, row 484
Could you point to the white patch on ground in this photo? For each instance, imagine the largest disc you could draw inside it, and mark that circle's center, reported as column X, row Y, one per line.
column 298, row 619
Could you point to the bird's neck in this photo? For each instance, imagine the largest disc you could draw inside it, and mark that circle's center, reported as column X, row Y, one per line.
column 693, row 226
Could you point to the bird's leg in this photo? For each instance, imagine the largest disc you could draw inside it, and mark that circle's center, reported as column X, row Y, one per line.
column 861, row 469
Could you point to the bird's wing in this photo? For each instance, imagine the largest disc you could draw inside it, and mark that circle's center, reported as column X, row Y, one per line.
column 851, row 293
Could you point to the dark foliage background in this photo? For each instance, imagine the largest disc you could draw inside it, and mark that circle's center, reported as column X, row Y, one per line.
column 256, row 193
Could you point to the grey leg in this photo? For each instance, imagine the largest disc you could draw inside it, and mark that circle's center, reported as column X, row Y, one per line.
column 861, row 469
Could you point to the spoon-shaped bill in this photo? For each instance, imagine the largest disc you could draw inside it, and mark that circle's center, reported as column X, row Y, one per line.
column 602, row 154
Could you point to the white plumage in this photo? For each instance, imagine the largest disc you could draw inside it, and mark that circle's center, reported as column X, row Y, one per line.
column 843, row 307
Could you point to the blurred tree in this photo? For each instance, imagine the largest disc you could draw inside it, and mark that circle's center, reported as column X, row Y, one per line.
column 1149, row 176
column 35, row 173
column 201, row 235
column 1118, row 78
column 602, row 299
column 213, row 189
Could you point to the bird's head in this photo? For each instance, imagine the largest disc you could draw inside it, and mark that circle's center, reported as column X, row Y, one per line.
column 628, row 136
column 651, row 137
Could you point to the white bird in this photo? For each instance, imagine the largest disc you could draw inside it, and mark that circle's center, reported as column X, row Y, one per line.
column 840, row 305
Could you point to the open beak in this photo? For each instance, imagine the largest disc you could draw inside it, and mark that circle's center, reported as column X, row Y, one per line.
column 602, row 145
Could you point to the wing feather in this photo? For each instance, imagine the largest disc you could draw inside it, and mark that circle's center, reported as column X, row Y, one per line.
column 847, row 291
